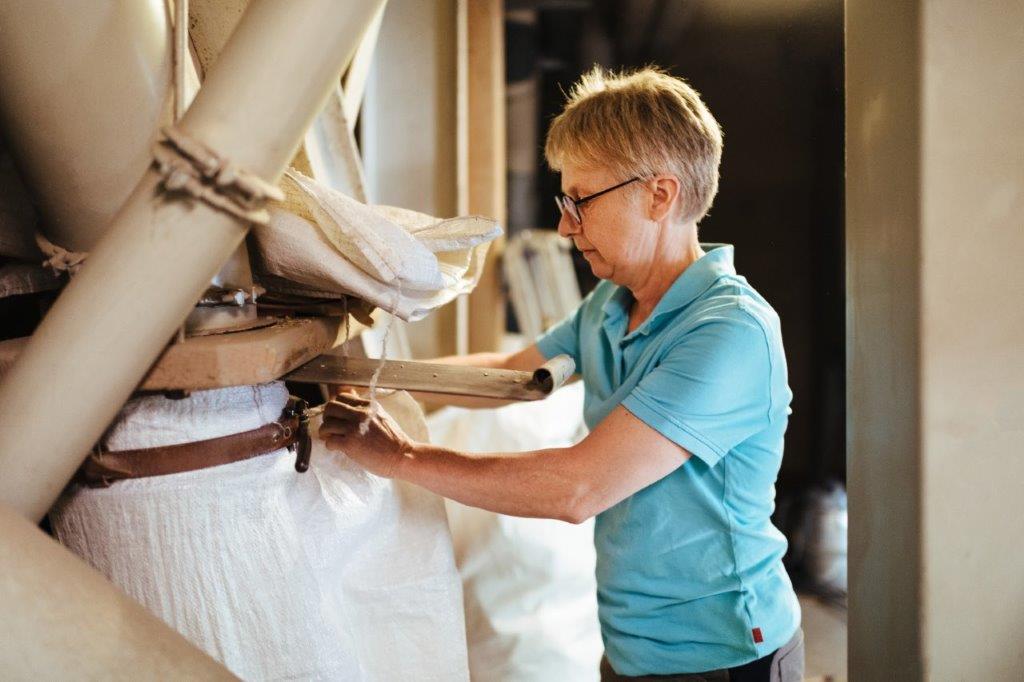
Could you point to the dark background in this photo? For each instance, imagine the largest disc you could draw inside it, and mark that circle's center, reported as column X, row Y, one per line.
column 771, row 71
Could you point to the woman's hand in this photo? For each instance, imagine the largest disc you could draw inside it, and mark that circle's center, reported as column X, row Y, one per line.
column 380, row 450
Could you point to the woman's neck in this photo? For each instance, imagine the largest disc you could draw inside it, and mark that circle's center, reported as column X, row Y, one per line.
column 681, row 249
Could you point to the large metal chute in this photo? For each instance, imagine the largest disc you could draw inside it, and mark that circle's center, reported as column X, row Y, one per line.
column 62, row 620
column 159, row 255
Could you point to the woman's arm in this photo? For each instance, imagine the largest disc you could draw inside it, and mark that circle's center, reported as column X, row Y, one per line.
column 620, row 457
column 523, row 359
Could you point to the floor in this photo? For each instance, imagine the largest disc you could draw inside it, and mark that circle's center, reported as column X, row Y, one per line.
column 824, row 626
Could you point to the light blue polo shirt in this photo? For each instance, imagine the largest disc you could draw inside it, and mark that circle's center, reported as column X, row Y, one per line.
column 689, row 569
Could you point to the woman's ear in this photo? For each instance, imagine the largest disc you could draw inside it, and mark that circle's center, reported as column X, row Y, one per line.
column 664, row 193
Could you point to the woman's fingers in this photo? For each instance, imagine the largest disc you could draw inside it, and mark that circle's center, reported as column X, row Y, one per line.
column 340, row 409
column 335, row 443
column 336, row 389
column 344, row 414
column 336, row 427
column 352, row 400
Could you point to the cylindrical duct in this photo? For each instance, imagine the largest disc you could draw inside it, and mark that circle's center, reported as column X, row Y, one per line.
column 139, row 282
column 62, row 620
column 85, row 88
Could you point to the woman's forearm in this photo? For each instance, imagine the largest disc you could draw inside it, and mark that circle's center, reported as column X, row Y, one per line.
column 535, row 484
column 436, row 400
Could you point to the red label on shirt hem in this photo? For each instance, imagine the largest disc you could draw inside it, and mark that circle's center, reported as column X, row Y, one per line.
column 758, row 638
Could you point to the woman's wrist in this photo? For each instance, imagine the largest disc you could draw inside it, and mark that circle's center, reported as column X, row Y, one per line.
column 412, row 456
column 426, row 465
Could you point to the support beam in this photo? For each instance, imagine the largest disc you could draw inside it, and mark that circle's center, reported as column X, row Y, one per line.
column 883, row 373
column 484, row 181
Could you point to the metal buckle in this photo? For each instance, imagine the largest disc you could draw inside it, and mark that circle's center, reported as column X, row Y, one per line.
column 298, row 409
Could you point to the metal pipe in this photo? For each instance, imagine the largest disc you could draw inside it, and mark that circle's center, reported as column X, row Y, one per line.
column 145, row 274
column 86, row 87
column 62, row 620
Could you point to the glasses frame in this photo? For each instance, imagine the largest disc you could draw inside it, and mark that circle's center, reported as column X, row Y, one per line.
column 571, row 207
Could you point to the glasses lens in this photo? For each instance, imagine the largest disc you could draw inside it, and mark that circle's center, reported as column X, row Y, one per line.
column 567, row 207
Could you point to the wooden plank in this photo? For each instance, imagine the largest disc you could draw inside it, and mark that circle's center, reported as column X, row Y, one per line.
column 486, row 173
column 242, row 358
column 503, row 384
column 462, row 145
column 236, row 359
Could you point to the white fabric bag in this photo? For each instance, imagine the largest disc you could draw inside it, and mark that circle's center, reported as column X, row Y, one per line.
column 326, row 243
column 330, row 574
column 528, row 584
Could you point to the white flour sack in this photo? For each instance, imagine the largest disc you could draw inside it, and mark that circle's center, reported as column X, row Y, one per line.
column 325, row 243
column 332, row 574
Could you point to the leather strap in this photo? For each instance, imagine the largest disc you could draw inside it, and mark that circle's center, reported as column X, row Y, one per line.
column 100, row 469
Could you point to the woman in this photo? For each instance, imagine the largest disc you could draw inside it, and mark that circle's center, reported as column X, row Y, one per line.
column 686, row 399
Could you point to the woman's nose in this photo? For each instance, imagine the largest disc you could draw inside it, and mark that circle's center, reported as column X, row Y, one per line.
column 567, row 227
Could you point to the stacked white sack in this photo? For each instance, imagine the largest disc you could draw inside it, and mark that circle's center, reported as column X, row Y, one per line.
column 330, row 574
column 405, row 262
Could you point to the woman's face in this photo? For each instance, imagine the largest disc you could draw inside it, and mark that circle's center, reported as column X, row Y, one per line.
column 616, row 236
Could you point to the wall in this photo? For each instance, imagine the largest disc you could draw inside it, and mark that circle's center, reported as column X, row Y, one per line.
column 935, row 194
column 972, row 337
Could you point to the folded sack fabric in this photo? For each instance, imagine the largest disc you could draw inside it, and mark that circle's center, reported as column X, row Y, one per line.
column 321, row 242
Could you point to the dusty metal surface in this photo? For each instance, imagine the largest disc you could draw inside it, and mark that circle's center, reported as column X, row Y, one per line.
column 62, row 620
column 86, row 85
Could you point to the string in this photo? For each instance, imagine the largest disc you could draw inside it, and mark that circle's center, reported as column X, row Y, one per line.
column 364, row 425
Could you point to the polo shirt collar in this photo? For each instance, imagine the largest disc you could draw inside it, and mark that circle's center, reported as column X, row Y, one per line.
column 694, row 281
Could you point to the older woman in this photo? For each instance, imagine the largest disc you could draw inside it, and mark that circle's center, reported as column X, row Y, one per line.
column 686, row 399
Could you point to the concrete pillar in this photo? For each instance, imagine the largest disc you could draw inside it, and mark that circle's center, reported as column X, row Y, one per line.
column 935, row 238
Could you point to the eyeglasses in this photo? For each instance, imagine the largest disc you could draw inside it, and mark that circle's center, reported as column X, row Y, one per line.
column 571, row 207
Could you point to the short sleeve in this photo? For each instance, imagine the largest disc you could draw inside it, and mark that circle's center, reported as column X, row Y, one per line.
column 712, row 389
column 564, row 337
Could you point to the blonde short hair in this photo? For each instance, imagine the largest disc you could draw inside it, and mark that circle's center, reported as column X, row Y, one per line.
column 644, row 123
